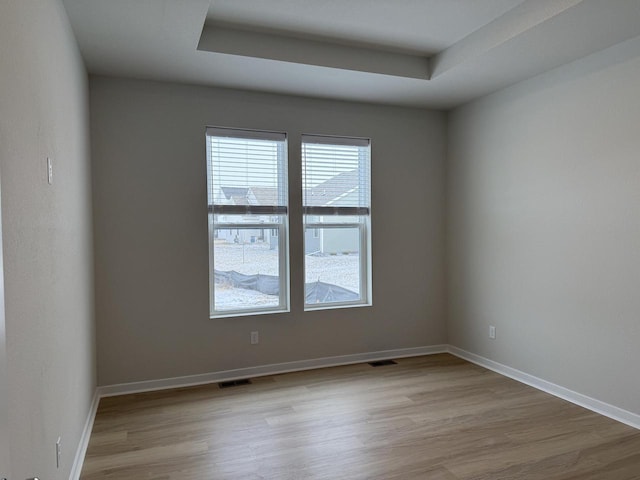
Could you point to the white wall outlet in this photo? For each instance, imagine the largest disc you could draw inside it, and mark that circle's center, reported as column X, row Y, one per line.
column 492, row 331
column 49, row 171
column 58, row 452
column 255, row 339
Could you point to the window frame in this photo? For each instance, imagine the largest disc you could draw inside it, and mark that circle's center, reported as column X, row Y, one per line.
column 281, row 227
column 329, row 212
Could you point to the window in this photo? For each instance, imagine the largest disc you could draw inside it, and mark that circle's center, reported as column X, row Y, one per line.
column 248, row 218
column 336, row 206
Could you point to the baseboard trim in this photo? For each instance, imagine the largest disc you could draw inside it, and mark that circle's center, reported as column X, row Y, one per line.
column 78, row 461
column 606, row 409
column 264, row 370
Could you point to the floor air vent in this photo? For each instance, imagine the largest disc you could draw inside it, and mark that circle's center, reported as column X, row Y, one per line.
column 382, row 363
column 234, row 383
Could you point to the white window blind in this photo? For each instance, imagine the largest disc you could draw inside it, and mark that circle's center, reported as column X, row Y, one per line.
column 336, row 175
column 247, row 172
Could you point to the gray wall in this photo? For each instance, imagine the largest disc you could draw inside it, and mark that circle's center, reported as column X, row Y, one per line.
column 543, row 212
column 150, row 213
column 47, row 236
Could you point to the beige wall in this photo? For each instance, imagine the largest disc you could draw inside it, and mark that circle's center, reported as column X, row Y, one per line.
column 47, row 236
column 544, row 226
column 150, row 213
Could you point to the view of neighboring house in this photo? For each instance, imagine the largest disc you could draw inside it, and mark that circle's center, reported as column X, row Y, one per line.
column 247, row 196
column 338, row 190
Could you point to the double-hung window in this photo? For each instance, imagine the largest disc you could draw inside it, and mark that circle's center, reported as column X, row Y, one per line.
column 336, row 205
column 248, row 218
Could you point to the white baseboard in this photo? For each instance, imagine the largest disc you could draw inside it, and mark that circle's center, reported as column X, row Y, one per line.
column 78, row 461
column 264, row 370
column 608, row 410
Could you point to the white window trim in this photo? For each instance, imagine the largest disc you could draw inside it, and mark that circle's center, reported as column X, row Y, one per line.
column 364, row 227
column 282, row 228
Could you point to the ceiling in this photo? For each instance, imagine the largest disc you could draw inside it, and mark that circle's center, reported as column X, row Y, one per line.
column 425, row 53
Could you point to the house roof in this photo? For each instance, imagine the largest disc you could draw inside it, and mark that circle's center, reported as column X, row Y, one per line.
column 333, row 191
column 234, row 192
column 264, row 195
column 236, row 195
column 250, row 195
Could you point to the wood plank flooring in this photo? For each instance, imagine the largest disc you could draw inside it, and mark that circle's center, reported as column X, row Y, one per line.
column 435, row 417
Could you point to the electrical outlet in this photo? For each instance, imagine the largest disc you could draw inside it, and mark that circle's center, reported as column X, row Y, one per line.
column 492, row 332
column 255, row 339
column 58, row 452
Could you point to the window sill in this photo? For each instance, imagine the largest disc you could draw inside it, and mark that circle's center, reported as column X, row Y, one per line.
column 246, row 313
column 334, row 306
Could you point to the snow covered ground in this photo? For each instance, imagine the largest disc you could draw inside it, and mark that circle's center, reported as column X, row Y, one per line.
column 252, row 258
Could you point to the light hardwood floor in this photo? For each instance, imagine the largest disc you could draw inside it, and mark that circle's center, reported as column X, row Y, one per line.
column 435, row 417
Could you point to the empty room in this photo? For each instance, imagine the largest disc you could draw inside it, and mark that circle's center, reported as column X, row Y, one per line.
column 295, row 239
